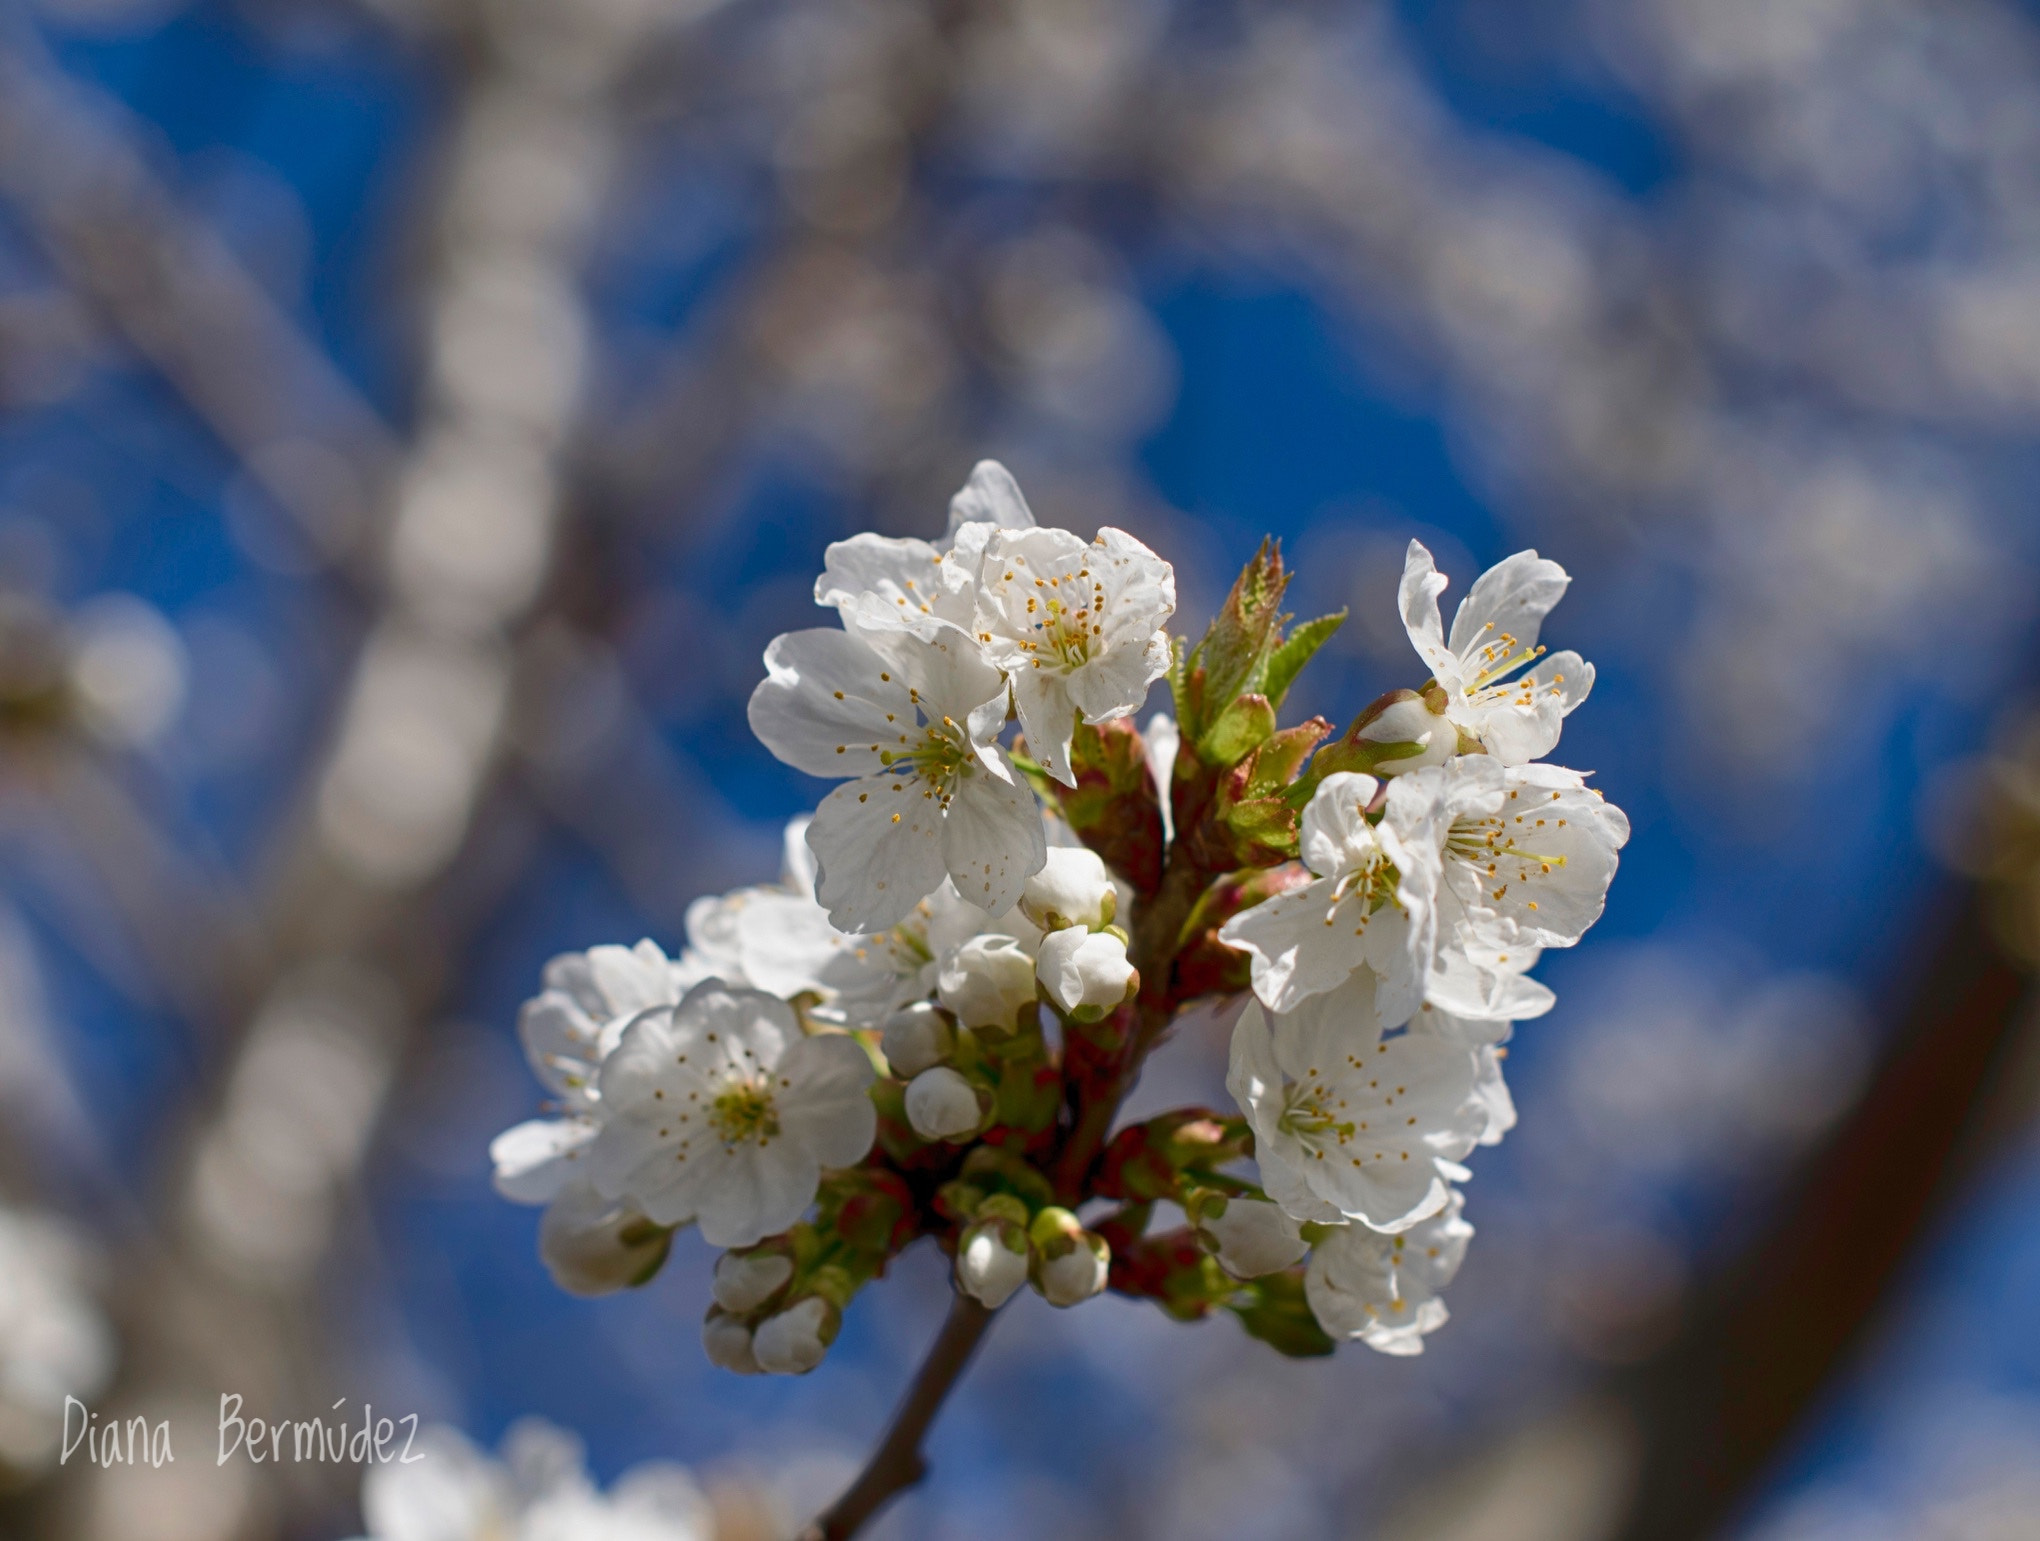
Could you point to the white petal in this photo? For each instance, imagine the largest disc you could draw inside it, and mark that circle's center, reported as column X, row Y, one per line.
column 1301, row 946
column 1164, row 741
column 1335, row 836
column 1049, row 719
column 993, row 840
column 560, row 1042
column 828, row 704
column 879, row 584
column 536, row 1159
column 631, row 978
column 1509, row 600
column 1383, row 1290
column 878, row 851
column 947, row 667
column 1521, row 720
column 990, row 497
column 1422, row 583
column 786, row 943
column 761, row 1190
column 1544, row 860
column 825, row 1098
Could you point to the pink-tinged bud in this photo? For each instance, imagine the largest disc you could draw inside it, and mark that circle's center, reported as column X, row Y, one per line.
column 727, row 1343
column 987, row 982
column 797, row 1339
column 1085, row 973
column 917, row 1038
column 942, row 1105
column 596, row 1246
column 1072, row 889
column 991, row 1261
column 745, row 1281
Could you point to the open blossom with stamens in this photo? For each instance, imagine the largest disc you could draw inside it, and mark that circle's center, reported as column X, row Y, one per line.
column 880, row 583
column 1349, row 1123
column 720, row 1111
column 1383, row 1290
column 588, row 1000
column 1078, row 627
column 1540, row 852
column 915, row 720
column 1500, row 686
column 1373, row 903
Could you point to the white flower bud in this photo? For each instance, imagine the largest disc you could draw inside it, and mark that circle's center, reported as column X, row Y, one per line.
column 1077, row 1273
column 1069, row 890
column 1409, row 717
column 1070, row 1263
column 1085, row 972
column 986, row 981
column 744, row 1282
column 1250, row 1237
column 942, row 1105
column 794, row 1341
column 991, row 1262
column 596, row 1246
column 916, row 1038
column 727, row 1343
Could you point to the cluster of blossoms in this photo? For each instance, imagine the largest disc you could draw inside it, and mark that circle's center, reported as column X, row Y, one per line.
column 447, row 1490
column 927, row 1026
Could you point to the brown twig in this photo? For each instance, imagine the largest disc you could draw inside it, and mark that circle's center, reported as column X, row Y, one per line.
column 897, row 1464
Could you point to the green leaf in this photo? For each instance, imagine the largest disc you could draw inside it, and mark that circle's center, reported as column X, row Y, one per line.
column 1240, row 729
column 1282, row 756
column 1288, row 660
column 1236, row 645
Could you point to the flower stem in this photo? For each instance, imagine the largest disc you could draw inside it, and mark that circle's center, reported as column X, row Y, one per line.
column 897, row 1464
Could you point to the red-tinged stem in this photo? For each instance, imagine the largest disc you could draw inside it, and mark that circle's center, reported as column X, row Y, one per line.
column 897, row 1464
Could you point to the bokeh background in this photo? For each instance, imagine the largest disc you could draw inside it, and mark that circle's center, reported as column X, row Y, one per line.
column 416, row 416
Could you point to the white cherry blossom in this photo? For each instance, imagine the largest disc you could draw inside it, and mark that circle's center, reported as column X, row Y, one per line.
column 539, row 1491
column 915, row 721
column 1541, row 852
column 1350, row 1124
column 1080, row 629
column 1373, row 902
column 878, row 584
column 1383, row 1290
column 719, row 1111
column 1500, row 685
column 578, row 1018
